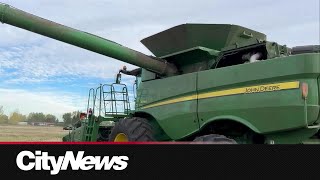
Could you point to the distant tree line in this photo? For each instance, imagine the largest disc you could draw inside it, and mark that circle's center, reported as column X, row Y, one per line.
column 15, row 117
column 40, row 117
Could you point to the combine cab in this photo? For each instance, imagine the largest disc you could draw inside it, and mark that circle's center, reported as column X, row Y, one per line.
column 212, row 83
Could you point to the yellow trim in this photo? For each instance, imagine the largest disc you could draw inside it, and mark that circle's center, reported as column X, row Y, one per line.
column 176, row 100
column 121, row 137
column 251, row 89
column 243, row 90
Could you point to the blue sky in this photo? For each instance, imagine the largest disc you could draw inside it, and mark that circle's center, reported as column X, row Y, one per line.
column 38, row 74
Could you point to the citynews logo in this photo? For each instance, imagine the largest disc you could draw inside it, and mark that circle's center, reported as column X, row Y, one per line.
column 42, row 161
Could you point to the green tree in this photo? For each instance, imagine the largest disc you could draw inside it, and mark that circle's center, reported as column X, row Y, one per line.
column 50, row 118
column 67, row 118
column 75, row 116
column 36, row 117
column 16, row 117
column 24, row 118
column 3, row 118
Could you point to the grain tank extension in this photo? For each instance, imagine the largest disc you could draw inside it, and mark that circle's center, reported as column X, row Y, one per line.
column 216, row 83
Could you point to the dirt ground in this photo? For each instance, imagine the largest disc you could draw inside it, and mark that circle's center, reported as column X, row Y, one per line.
column 31, row 133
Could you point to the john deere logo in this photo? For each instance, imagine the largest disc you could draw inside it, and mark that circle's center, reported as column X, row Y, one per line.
column 262, row 89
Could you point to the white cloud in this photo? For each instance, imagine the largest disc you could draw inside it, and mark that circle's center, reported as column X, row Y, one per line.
column 44, row 62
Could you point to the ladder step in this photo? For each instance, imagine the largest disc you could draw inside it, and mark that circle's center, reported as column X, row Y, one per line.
column 115, row 92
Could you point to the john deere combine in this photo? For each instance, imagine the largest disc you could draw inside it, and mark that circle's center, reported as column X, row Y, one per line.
column 206, row 82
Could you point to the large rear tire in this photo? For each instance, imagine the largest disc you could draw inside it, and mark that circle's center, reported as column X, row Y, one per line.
column 131, row 129
column 213, row 139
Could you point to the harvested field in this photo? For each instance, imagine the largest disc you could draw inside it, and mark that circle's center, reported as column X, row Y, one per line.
column 31, row 133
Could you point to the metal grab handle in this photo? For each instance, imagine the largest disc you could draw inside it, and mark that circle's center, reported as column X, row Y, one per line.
column 306, row 117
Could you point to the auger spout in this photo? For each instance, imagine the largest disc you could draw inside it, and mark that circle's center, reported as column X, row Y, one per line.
column 29, row 22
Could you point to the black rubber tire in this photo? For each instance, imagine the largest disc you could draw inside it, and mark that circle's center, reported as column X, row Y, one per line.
column 103, row 134
column 136, row 129
column 318, row 134
column 213, row 139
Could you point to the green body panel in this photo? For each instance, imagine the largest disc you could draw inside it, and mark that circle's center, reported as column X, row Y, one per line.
column 287, row 106
column 253, row 110
column 176, row 119
column 294, row 136
column 79, row 134
column 75, row 135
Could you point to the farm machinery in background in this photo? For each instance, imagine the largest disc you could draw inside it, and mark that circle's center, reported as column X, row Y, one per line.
column 207, row 83
column 106, row 105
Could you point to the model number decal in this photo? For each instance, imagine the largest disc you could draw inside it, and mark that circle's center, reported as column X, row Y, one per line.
column 228, row 92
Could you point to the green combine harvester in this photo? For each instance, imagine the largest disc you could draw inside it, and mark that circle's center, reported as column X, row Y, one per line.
column 206, row 83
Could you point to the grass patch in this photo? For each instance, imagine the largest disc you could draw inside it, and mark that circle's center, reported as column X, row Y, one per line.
column 31, row 133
